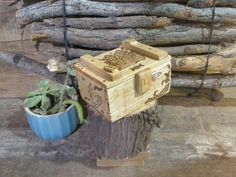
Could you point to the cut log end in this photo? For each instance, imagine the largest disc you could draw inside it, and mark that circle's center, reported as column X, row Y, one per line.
column 124, row 138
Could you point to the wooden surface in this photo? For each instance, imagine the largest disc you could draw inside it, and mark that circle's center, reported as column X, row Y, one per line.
column 193, row 49
column 43, row 10
column 9, row 30
column 209, row 3
column 195, row 80
column 16, row 82
column 145, row 50
column 140, row 81
column 143, row 80
column 138, row 160
column 198, row 137
column 173, row 51
column 98, row 66
column 125, row 138
column 176, row 34
column 111, row 22
column 126, row 73
column 223, row 62
column 122, row 97
column 27, row 64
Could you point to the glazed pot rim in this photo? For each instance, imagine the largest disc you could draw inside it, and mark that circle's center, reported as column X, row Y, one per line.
column 47, row 116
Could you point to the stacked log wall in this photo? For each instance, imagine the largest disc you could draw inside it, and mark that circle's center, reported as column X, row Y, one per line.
column 181, row 27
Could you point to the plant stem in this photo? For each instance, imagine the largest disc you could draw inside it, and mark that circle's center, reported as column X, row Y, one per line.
column 63, row 90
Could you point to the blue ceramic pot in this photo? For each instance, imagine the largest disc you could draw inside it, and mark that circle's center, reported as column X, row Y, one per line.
column 55, row 126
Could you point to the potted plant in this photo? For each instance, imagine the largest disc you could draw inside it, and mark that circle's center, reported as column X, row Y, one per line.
column 51, row 112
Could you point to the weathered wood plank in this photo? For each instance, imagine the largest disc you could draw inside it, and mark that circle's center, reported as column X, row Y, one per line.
column 135, row 161
column 9, row 30
column 16, row 82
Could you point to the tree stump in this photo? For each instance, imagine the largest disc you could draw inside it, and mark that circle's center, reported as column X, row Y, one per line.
column 124, row 138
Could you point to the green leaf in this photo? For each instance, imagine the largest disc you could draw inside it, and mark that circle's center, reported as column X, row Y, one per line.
column 70, row 69
column 39, row 111
column 32, row 101
column 33, row 93
column 54, row 109
column 70, row 91
column 62, row 108
column 55, row 86
column 55, row 89
column 44, row 84
column 45, row 104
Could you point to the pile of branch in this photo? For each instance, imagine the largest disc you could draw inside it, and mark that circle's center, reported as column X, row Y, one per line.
column 180, row 27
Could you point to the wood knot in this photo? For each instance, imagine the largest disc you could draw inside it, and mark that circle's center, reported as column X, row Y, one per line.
column 16, row 58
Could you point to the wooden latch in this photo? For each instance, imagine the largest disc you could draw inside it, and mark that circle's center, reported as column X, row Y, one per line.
column 143, row 80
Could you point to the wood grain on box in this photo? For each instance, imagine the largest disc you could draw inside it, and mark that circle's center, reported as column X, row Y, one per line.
column 118, row 82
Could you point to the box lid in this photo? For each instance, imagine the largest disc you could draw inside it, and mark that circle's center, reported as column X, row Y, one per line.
column 116, row 66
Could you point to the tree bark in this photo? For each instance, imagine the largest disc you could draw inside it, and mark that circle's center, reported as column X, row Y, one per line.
column 112, row 38
column 111, row 22
column 193, row 3
column 28, row 64
column 194, row 81
column 209, row 3
column 222, row 62
column 44, row 10
column 190, row 49
column 157, row 1
column 124, row 138
column 173, row 51
column 178, row 79
column 74, row 52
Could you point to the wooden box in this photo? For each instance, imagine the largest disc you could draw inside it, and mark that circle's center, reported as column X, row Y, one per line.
column 118, row 82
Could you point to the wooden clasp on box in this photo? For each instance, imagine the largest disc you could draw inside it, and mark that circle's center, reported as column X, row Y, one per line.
column 143, row 80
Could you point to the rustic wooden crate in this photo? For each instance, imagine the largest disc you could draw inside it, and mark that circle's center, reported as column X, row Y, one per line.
column 118, row 82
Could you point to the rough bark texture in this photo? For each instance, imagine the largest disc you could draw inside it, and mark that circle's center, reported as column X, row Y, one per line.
column 44, row 10
column 193, row 3
column 209, row 3
column 178, row 80
column 111, row 22
column 194, row 81
column 112, row 38
column 158, row 1
column 190, row 49
column 124, row 138
column 75, row 52
column 222, row 62
column 25, row 63
column 174, row 51
column 28, row 64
